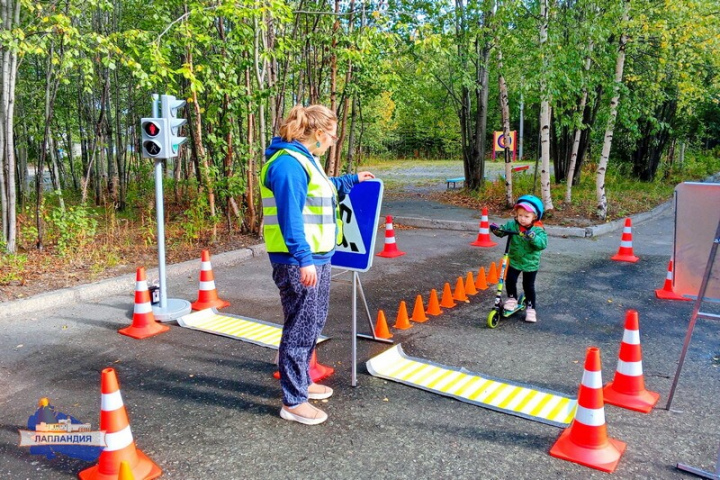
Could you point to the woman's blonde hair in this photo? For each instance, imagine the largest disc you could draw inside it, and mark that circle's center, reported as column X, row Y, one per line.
column 301, row 122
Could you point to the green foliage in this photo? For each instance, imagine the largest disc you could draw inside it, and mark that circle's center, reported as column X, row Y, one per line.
column 197, row 220
column 74, row 228
column 12, row 267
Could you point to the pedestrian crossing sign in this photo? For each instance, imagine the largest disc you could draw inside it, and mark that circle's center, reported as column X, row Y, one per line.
column 359, row 213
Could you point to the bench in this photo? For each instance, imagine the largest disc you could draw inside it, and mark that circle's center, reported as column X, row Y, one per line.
column 454, row 181
column 519, row 168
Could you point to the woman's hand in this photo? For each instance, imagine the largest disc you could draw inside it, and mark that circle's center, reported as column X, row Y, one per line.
column 308, row 276
column 362, row 176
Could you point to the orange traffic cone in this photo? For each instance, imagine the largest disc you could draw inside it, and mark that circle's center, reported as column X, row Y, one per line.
column 627, row 389
column 447, row 297
column 207, row 293
column 470, row 285
column 125, row 471
column 459, row 293
column 390, row 249
column 419, row 311
column 381, row 326
column 143, row 322
column 433, row 304
column 318, row 371
column 625, row 252
column 483, row 238
column 401, row 321
column 586, row 441
column 481, row 281
column 118, row 437
column 667, row 292
column 492, row 274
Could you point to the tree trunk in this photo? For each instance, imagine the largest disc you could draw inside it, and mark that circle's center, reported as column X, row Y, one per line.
column 578, row 134
column 607, row 144
column 331, row 158
column 10, row 18
column 505, row 114
column 202, row 159
column 545, row 115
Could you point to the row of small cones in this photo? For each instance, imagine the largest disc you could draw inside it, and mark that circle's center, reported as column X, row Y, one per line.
column 586, row 441
column 463, row 288
column 144, row 324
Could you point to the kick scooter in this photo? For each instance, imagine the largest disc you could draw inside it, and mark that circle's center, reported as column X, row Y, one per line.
column 498, row 311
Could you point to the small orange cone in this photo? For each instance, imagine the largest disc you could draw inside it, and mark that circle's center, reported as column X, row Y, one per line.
column 492, row 277
column 470, row 285
column 118, row 437
column 125, row 471
column 381, row 326
column 143, row 322
column 390, row 249
column 459, row 293
column 318, row 371
column 401, row 321
column 667, row 292
column 207, row 293
column 483, row 238
column 625, row 252
column 433, row 304
column 481, row 281
column 419, row 311
column 586, row 441
column 447, row 297
column 627, row 389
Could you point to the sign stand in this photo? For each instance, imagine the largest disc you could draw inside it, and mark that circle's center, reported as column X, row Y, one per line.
column 359, row 212
column 358, row 288
column 695, row 315
column 169, row 308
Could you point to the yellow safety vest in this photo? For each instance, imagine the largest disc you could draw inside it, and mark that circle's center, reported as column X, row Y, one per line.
column 322, row 232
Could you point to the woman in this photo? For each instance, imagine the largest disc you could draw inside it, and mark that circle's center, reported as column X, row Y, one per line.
column 301, row 231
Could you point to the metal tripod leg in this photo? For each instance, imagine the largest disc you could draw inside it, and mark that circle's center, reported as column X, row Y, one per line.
column 702, row 473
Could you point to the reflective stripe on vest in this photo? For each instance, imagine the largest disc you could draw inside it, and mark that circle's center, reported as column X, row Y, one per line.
column 319, row 212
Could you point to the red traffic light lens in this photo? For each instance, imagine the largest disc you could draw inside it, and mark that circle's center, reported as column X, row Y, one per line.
column 151, row 129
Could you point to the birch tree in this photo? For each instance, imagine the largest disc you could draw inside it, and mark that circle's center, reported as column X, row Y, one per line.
column 10, row 13
column 545, row 110
column 600, row 190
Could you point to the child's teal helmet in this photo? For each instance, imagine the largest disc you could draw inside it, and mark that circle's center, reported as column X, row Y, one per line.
column 532, row 204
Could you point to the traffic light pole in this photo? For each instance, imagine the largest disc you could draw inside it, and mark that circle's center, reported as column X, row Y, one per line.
column 169, row 308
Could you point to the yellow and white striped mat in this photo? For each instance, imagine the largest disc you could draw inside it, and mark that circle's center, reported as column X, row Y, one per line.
column 524, row 401
column 246, row 329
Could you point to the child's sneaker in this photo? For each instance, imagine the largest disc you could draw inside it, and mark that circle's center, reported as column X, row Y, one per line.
column 530, row 315
column 510, row 304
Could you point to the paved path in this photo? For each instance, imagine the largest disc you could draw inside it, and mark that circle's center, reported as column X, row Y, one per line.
column 206, row 407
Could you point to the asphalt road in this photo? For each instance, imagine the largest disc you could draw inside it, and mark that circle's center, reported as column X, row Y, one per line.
column 206, row 407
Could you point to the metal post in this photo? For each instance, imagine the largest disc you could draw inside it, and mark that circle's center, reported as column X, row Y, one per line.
column 354, row 329
column 173, row 308
column 522, row 128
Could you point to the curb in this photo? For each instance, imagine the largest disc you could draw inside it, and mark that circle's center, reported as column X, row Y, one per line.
column 124, row 284
column 553, row 231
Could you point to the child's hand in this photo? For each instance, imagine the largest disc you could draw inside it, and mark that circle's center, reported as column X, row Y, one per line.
column 530, row 235
column 494, row 227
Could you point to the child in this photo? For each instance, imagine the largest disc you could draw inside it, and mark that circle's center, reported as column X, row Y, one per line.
column 524, row 251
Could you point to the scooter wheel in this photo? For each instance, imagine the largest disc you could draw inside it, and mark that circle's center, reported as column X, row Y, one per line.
column 493, row 319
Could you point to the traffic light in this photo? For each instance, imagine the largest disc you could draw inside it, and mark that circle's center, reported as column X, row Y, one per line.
column 169, row 106
column 155, row 139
